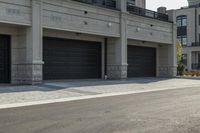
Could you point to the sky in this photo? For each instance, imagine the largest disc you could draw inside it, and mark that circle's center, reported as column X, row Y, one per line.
column 170, row 4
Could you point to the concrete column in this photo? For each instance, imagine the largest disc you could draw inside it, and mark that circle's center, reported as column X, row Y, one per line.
column 189, row 60
column 172, row 54
column 35, row 33
column 30, row 71
column 117, row 49
column 122, row 5
column 172, row 63
column 34, row 43
column 167, row 54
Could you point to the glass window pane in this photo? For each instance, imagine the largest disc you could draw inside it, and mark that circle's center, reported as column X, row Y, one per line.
column 179, row 38
column 185, row 59
column 181, row 21
column 184, row 41
column 184, row 22
column 178, row 22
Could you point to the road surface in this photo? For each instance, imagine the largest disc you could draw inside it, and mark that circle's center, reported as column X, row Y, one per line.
column 170, row 111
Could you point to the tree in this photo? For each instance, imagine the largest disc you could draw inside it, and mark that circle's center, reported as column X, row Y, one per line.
column 179, row 50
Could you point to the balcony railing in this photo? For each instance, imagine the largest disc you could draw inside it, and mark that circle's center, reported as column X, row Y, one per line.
column 146, row 13
column 195, row 44
column 111, row 4
column 196, row 66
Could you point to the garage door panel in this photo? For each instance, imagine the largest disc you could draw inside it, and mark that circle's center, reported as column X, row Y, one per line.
column 141, row 61
column 71, row 68
column 81, row 75
column 71, row 59
column 4, row 59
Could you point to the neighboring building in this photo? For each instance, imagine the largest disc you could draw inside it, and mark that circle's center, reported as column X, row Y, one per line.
column 188, row 32
column 193, row 2
column 83, row 39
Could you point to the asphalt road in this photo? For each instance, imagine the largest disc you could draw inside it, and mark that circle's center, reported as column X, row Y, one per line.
column 171, row 111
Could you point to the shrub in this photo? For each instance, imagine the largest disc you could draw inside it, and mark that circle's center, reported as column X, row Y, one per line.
column 180, row 69
column 192, row 73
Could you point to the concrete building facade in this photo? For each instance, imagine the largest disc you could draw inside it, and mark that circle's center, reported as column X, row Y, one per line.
column 76, row 39
column 193, row 2
column 188, row 32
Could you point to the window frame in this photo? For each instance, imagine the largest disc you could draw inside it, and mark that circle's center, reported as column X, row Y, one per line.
column 181, row 25
column 182, row 19
column 180, row 38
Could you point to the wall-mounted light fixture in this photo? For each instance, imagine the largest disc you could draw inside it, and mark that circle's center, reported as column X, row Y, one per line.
column 109, row 24
column 138, row 29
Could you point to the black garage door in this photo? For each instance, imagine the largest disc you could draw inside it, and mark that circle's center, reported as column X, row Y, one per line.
column 141, row 61
column 71, row 59
column 4, row 59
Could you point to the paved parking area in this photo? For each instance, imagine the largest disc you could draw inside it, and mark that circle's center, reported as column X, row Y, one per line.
column 78, row 88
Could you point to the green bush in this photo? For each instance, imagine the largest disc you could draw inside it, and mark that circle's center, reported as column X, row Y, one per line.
column 180, row 69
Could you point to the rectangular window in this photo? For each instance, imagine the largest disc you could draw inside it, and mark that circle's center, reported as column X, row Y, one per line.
column 199, row 19
column 199, row 59
column 179, row 38
column 199, row 37
column 183, row 40
column 131, row 2
column 184, row 22
column 178, row 23
column 181, row 21
column 185, row 59
column 182, row 29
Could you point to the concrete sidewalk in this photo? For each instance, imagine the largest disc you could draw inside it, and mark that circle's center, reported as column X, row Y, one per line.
column 80, row 89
